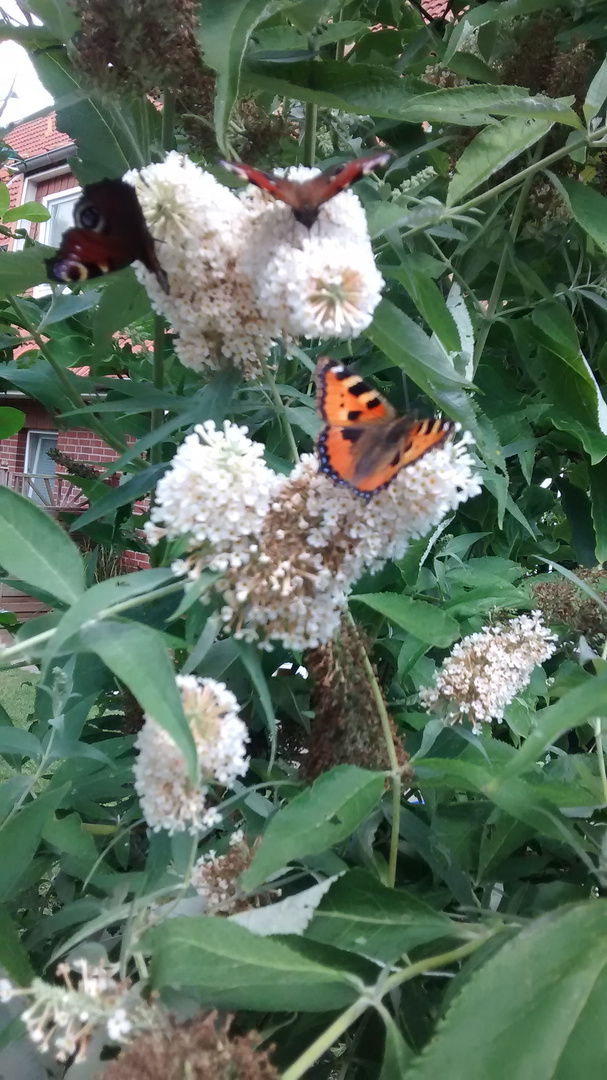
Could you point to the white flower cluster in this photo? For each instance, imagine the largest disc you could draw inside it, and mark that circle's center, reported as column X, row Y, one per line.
column 287, row 570
column 64, row 1017
column 243, row 273
column 485, row 671
column 217, row 491
column 169, row 800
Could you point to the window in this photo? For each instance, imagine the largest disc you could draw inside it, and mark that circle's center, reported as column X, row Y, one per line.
column 61, row 208
column 40, row 464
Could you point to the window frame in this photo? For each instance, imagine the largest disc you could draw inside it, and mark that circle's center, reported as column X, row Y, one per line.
column 48, row 200
column 28, row 444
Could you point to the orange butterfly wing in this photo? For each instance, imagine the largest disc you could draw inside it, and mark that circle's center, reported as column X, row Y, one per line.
column 365, row 444
column 343, row 397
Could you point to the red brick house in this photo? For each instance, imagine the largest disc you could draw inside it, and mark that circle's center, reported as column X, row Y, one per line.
column 39, row 171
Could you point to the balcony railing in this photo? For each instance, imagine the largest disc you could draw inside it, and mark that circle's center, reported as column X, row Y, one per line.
column 52, row 493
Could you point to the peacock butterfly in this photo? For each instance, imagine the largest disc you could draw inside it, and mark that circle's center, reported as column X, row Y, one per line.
column 365, row 443
column 109, row 233
column 307, row 197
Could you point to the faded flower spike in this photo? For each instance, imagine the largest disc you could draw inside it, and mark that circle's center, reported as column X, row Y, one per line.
column 63, row 1018
column 486, row 671
column 289, row 549
column 169, row 799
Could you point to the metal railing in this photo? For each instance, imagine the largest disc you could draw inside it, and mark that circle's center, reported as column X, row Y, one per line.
column 51, row 493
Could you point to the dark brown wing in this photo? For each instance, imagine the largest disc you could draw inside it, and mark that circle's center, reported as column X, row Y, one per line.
column 307, row 198
column 110, row 233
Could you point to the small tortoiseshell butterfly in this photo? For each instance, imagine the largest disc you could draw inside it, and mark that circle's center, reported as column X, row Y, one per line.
column 109, row 233
column 365, row 442
column 306, row 198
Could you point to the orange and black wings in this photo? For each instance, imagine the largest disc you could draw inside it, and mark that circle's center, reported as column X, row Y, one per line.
column 364, row 444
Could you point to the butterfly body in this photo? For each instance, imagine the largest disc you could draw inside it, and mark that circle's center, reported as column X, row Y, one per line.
column 365, row 443
column 109, row 233
column 306, row 198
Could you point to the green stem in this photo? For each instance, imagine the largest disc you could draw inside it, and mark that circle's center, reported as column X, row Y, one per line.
column 395, row 773
column 325, row 1041
column 598, row 737
column 97, row 425
column 280, row 408
column 420, row 968
column 498, row 283
column 373, row 997
column 310, row 119
column 158, row 377
column 106, row 613
column 168, row 121
column 309, row 139
column 583, row 139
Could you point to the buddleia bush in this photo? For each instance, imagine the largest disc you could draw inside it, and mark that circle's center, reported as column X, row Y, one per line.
column 320, row 791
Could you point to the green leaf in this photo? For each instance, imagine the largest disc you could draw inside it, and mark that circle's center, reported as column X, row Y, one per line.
column 430, row 303
column 29, row 211
column 101, row 597
column 11, row 421
column 588, row 207
column 572, row 710
column 397, row 1054
column 370, row 89
column 123, row 301
column 562, row 373
column 347, row 29
column 230, row 967
column 493, row 147
column 596, row 93
column 408, row 346
column 65, row 305
column 105, row 135
column 494, row 11
column 323, row 815
column 13, row 956
column 225, row 29
column 361, row 915
column 426, row 621
column 37, row 550
column 20, row 837
column 530, row 1011
column 250, row 659
column 137, row 486
column 21, row 270
column 137, row 656
column 598, row 496
column 14, row 740
column 5, row 199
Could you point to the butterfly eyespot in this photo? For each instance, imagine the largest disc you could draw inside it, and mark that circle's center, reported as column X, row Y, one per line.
column 75, row 271
column 88, row 217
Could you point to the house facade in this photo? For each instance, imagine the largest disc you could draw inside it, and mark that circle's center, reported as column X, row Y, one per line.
column 39, row 172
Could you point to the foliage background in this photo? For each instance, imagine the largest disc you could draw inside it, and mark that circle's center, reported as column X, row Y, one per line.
column 488, row 958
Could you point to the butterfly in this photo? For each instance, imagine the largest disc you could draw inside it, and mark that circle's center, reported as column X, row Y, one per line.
column 365, row 443
column 307, row 197
column 109, row 233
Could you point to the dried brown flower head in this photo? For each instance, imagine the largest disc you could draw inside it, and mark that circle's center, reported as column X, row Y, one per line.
column 139, row 45
column 254, row 133
column 74, row 467
column 197, row 1050
column 346, row 729
column 563, row 602
column 215, row 878
column 538, row 63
